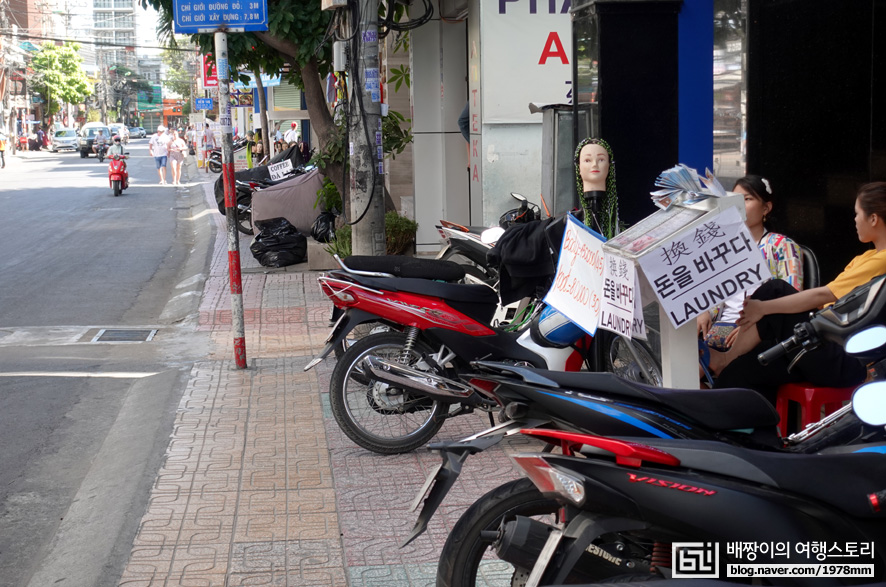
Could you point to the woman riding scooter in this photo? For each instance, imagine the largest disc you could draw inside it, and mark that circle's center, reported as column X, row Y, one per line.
column 118, row 177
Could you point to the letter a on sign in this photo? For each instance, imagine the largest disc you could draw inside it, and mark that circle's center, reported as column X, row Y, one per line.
column 553, row 49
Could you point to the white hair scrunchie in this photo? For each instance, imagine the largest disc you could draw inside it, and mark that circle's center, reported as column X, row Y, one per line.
column 768, row 187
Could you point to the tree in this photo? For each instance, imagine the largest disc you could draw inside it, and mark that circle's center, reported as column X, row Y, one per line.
column 297, row 37
column 180, row 69
column 59, row 75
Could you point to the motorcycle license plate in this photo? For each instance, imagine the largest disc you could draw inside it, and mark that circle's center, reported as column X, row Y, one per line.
column 424, row 488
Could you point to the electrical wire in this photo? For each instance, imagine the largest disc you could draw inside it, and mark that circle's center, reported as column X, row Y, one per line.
column 85, row 42
column 358, row 92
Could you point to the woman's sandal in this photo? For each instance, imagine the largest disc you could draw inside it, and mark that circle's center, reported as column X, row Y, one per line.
column 704, row 361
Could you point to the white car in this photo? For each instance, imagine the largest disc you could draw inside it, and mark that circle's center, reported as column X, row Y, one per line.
column 120, row 129
column 64, row 138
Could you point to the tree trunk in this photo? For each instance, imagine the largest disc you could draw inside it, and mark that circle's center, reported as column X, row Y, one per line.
column 315, row 98
column 263, row 113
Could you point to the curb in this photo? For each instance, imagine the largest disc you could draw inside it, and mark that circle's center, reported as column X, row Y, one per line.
column 193, row 209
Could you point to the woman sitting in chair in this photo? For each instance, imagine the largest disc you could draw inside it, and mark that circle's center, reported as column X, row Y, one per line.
column 784, row 258
column 770, row 314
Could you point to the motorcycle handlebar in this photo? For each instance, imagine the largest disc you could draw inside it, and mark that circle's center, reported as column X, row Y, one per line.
column 778, row 351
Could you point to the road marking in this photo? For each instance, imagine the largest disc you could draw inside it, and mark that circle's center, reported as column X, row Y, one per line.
column 81, row 374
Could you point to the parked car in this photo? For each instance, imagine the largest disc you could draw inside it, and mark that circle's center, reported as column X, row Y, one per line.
column 138, row 131
column 64, row 139
column 120, row 129
column 87, row 137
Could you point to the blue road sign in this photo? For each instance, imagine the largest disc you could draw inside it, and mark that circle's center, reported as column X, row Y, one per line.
column 203, row 16
column 204, row 103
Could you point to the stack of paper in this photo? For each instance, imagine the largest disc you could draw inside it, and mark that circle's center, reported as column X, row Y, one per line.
column 684, row 185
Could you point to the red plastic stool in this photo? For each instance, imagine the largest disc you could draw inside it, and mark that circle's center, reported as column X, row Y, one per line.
column 811, row 400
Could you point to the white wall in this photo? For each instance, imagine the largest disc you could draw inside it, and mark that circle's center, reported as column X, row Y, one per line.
column 438, row 68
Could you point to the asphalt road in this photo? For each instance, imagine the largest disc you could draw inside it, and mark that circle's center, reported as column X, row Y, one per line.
column 83, row 423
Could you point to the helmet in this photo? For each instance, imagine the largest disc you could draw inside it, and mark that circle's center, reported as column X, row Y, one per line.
column 553, row 329
column 116, row 138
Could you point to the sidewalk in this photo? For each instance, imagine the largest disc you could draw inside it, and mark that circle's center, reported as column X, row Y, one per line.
column 259, row 486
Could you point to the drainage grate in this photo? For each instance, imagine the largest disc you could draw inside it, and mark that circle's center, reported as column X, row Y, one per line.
column 121, row 335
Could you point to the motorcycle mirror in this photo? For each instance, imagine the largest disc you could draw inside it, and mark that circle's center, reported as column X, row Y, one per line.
column 491, row 235
column 866, row 340
column 517, row 196
column 869, row 403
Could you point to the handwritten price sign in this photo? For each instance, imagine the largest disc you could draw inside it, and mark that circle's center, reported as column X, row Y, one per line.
column 579, row 281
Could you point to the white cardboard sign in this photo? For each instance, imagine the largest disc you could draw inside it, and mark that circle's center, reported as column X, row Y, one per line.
column 279, row 170
column 579, row 279
column 704, row 266
column 619, row 295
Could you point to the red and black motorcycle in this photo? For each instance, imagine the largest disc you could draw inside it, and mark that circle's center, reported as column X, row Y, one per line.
column 432, row 328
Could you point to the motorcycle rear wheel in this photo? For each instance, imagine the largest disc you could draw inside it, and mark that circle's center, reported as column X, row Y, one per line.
column 214, row 166
column 115, row 184
column 376, row 416
column 468, row 559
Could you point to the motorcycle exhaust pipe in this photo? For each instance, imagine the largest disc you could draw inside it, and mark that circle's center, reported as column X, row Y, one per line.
column 429, row 384
column 520, row 541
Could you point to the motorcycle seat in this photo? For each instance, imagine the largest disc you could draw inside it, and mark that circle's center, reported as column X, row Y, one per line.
column 715, row 409
column 843, row 479
column 405, row 266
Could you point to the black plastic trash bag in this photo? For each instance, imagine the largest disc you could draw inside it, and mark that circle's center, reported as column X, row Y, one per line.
column 278, row 243
column 323, row 229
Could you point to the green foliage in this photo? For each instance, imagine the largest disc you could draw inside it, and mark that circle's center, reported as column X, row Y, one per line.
column 399, row 236
column 335, row 149
column 341, row 244
column 394, row 137
column 94, row 115
column 59, row 75
column 399, row 233
column 399, row 76
column 328, row 197
column 300, row 22
column 180, row 70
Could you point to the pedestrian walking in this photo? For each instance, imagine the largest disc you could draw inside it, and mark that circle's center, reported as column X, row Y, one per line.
column 208, row 143
column 291, row 136
column 3, row 140
column 40, row 137
column 159, row 148
column 178, row 149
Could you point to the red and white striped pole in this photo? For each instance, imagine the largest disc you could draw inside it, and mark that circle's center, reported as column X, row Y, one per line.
column 224, row 120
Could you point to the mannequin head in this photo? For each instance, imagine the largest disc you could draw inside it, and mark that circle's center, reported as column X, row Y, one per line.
column 593, row 167
column 595, row 172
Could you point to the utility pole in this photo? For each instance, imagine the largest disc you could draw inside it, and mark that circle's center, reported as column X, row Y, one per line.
column 224, row 120
column 366, row 156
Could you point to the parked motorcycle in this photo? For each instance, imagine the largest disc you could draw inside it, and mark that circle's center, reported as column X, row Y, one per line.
column 118, row 177
column 469, row 245
column 214, row 159
column 437, row 330
column 612, row 514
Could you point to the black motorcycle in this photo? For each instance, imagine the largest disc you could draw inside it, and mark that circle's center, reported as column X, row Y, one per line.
column 688, row 465
column 100, row 151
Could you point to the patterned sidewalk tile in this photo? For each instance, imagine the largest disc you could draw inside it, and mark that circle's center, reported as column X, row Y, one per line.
column 259, row 486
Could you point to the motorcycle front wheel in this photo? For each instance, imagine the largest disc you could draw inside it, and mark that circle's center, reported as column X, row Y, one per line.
column 244, row 221
column 115, row 184
column 632, row 360
column 214, row 166
column 379, row 417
